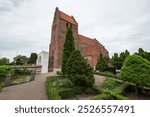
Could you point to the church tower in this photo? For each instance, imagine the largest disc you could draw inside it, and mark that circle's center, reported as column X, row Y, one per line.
column 60, row 24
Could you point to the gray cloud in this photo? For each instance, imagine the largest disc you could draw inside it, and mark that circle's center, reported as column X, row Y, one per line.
column 25, row 25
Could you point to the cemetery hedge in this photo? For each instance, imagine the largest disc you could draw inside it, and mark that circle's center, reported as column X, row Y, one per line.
column 111, row 90
column 61, row 88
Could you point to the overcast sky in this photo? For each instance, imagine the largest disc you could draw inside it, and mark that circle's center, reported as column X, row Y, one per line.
column 25, row 25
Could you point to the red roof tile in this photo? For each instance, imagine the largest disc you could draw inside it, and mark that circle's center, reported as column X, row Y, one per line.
column 67, row 18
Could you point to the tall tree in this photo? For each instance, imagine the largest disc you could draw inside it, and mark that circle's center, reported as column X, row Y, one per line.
column 20, row 60
column 4, row 61
column 101, row 64
column 33, row 58
column 69, row 47
column 118, row 60
column 143, row 54
column 79, row 71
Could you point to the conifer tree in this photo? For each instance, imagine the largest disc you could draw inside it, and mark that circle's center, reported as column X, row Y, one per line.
column 69, row 47
column 101, row 64
column 79, row 71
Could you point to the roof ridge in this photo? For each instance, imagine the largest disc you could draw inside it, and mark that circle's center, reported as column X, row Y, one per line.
column 67, row 17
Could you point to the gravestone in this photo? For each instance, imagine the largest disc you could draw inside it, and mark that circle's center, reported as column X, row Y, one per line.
column 32, row 75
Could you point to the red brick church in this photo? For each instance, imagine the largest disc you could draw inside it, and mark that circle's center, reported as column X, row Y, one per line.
column 89, row 48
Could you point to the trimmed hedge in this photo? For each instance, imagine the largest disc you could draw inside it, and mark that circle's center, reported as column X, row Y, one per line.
column 107, row 74
column 58, row 88
column 112, row 90
column 69, row 92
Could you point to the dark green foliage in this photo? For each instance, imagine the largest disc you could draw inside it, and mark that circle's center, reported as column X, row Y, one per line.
column 59, row 72
column 20, row 60
column 112, row 90
column 110, row 84
column 117, row 60
column 136, row 70
column 79, row 71
column 58, row 88
column 109, row 95
column 69, row 92
column 111, row 69
column 22, row 72
column 69, row 47
column 107, row 74
column 4, row 61
column 143, row 54
column 33, row 58
column 101, row 64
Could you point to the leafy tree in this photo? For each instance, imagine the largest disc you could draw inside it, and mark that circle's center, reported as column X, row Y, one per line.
column 123, row 56
column 79, row 71
column 4, row 61
column 136, row 70
column 33, row 58
column 101, row 64
column 20, row 60
column 143, row 54
column 69, row 47
column 117, row 60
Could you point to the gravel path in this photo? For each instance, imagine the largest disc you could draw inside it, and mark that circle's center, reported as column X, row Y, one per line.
column 34, row 90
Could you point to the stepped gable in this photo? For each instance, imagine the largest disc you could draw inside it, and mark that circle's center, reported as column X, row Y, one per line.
column 67, row 18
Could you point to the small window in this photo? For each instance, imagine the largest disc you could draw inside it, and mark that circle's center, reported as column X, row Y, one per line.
column 70, row 26
column 67, row 25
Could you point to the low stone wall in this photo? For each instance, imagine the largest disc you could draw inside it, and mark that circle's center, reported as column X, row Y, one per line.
column 36, row 68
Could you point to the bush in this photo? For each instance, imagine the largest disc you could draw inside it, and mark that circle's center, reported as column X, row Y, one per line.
column 116, row 96
column 65, row 83
column 111, row 70
column 60, row 88
column 69, row 92
column 51, row 90
column 59, row 72
column 109, row 95
column 107, row 74
column 121, row 89
column 136, row 70
column 52, row 93
column 112, row 90
column 21, row 72
column 101, row 64
column 110, row 84
column 5, row 70
column 79, row 71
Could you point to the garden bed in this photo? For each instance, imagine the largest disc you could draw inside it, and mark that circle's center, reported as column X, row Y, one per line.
column 61, row 88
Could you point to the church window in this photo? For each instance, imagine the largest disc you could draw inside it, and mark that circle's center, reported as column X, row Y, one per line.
column 67, row 25
column 70, row 26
